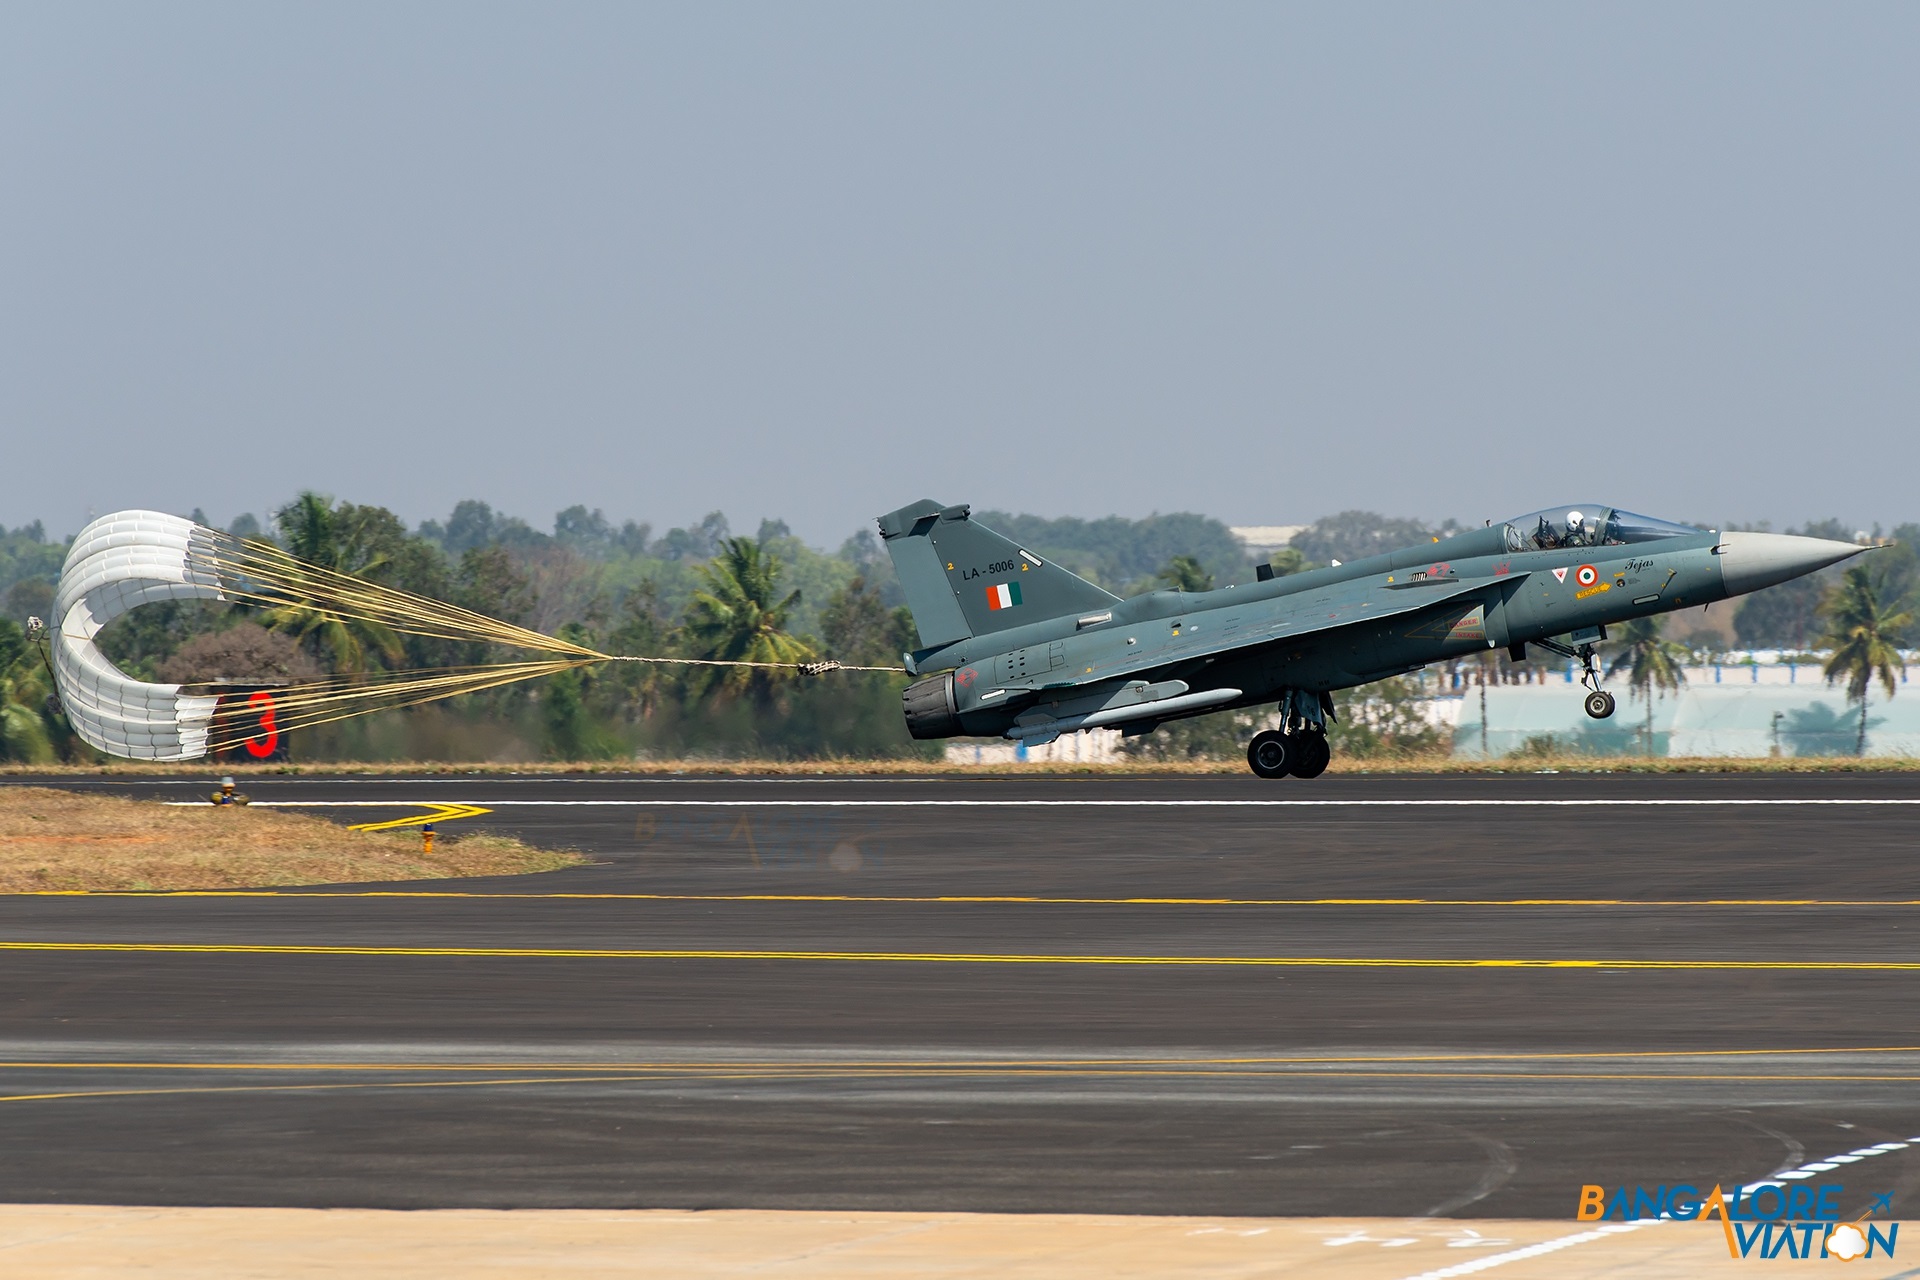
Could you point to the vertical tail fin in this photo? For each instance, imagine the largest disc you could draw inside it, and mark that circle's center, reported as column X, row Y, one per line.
column 963, row 579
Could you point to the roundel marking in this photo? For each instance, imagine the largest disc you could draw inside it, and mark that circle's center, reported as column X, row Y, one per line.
column 1586, row 575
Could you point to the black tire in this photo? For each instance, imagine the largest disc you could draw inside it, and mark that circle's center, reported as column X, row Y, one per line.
column 1600, row 704
column 1312, row 755
column 1270, row 754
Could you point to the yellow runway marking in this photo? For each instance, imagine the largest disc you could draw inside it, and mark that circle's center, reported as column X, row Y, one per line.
column 1290, row 1060
column 313, row 1088
column 958, row 957
column 441, row 813
column 792, row 1074
column 1595, row 802
column 1352, row 1067
column 957, row 899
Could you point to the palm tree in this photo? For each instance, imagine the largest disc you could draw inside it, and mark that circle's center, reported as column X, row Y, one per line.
column 1184, row 573
column 314, row 536
column 739, row 616
column 1866, row 637
column 23, row 730
column 1653, row 663
column 23, row 692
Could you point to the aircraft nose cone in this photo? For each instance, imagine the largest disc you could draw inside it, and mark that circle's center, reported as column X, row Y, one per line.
column 1750, row 561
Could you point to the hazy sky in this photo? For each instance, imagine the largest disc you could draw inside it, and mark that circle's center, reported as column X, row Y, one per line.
column 815, row 261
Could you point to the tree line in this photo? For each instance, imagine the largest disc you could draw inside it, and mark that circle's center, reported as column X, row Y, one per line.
column 703, row 591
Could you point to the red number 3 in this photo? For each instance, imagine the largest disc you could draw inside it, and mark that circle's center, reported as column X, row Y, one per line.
column 262, row 747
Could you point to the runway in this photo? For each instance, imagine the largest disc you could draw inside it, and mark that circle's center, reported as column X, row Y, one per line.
column 1356, row 997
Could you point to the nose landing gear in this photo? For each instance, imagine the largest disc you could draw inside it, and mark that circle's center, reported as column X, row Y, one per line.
column 1599, row 703
column 1298, row 749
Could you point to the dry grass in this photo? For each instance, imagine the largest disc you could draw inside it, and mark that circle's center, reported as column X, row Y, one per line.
column 1430, row 764
column 61, row 840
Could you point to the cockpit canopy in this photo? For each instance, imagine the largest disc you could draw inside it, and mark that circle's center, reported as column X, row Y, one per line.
column 1588, row 526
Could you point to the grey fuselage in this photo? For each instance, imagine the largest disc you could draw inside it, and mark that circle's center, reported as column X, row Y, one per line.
column 1171, row 654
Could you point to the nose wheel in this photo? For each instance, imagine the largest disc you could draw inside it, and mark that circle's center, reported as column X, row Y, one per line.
column 1599, row 703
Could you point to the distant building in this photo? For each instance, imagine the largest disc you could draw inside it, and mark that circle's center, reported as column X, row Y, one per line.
column 1265, row 539
column 1088, row 746
column 1774, row 705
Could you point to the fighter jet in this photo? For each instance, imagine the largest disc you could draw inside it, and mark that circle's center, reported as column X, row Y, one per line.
column 1017, row 647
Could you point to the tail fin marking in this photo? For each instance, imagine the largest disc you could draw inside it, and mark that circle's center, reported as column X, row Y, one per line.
column 962, row 579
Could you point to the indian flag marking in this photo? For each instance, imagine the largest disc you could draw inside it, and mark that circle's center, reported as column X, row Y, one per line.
column 1004, row 596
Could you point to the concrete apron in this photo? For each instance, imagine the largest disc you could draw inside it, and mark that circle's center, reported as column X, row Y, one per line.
column 58, row 1242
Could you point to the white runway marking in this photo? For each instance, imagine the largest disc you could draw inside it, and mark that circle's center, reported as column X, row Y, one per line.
column 1534, row 1250
column 1831, row 1162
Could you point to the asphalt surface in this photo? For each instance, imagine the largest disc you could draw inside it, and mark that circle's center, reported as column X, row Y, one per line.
column 1165, row 996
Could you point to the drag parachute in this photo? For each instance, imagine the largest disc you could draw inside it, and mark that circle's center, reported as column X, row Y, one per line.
column 131, row 558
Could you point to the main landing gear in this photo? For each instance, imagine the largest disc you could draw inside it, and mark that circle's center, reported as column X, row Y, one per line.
column 1298, row 749
column 1289, row 755
column 1598, row 703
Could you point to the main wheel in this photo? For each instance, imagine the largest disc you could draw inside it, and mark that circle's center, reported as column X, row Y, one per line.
column 1270, row 754
column 1311, row 755
column 1600, row 704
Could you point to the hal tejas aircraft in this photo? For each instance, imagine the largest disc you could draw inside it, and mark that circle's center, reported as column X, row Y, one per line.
column 1026, row 650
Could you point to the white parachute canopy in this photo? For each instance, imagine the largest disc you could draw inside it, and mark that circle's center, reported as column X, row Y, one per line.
column 119, row 562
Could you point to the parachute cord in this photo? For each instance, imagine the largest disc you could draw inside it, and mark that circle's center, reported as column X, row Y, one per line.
column 46, row 660
column 266, row 576
column 310, row 705
column 818, row 668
